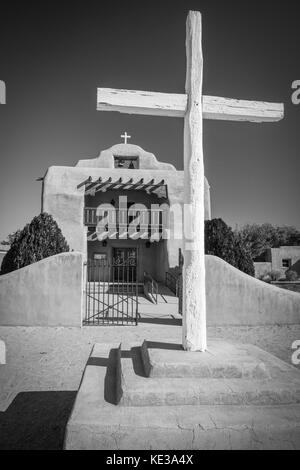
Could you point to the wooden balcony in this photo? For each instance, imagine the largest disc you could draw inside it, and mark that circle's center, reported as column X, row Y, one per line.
column 148, row 219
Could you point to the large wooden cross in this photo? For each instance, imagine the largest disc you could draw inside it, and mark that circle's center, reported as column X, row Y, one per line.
column 193, row 107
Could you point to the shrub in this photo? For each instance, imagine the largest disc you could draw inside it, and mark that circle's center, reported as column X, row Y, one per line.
column 275, row 275
column 266, row 278
column 221, row 241
column 38, row 240
column 291, row 275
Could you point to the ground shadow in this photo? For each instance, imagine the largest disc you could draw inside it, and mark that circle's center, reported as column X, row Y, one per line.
column 161, row 321
column 135, row 355
column 159, row 345
column 110, row 363
column 36, row 421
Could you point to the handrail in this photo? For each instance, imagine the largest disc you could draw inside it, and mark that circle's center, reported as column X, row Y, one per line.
column 172, row 282
column 154, row 285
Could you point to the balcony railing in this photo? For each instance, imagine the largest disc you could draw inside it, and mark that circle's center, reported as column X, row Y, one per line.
column 148, row 219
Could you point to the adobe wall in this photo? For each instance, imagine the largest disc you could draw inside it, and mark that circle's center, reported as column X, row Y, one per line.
column 234, row 298
column 46, row 293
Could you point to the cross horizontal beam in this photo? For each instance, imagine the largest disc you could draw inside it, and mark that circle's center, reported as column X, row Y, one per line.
column 175, row 105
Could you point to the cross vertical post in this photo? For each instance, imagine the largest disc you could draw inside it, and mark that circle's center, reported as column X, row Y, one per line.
column 194, row 297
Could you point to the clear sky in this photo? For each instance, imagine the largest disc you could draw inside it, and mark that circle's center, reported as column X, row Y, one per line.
column 54, row 58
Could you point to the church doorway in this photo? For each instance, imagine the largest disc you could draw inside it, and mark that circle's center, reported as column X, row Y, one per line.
column 125, row 261
column 111, row 289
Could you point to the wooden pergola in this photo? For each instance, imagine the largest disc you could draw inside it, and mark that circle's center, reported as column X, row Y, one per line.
column 158, row 188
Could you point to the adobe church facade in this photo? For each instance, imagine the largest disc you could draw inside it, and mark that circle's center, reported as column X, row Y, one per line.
column 73, row 194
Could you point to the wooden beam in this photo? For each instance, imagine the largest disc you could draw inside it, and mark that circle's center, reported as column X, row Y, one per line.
column 139, row 183
column 94, row 187
column 148, row 185
column 194, row 293
column 85, row 182
column 111, row 185
column 175, row 105
column 91, row 187
column 228, row 109
column 103, row 184
column 129, row 183
column 156, row 186
column 141, row 102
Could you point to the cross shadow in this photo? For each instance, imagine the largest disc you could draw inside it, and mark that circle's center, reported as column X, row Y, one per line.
column 161, row 321
column 36, row 421
column 159, row 345
column 110, row 394
column 135, row 355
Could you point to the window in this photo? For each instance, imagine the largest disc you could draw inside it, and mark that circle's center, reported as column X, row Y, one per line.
column 286, row 263
column 131, row 163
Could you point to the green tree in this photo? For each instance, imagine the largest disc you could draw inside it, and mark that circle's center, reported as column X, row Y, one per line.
column 258, row 238
column 11, row 238
column 221, row 241
column 38, row 240
column 288, row 236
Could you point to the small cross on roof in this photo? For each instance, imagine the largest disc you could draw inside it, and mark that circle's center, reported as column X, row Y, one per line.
column 125, row 136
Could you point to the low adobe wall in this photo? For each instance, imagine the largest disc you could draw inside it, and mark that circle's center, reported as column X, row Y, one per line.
column 234, row 298
column 46, row 293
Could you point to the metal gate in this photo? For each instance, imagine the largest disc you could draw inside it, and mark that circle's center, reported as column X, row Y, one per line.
column 111, row 292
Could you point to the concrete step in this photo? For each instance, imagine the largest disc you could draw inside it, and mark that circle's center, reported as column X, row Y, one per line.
column 139, row 390
column 221, row 360
column 97, row 423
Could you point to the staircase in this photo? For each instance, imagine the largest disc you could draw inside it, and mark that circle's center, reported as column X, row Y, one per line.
column 157, row 396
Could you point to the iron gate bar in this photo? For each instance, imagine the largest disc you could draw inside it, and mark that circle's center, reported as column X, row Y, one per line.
column 111, row 292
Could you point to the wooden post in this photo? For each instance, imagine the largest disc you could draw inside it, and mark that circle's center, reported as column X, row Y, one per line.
column 194, row 300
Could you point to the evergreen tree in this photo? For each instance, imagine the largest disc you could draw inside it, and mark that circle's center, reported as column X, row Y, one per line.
column 38, row 240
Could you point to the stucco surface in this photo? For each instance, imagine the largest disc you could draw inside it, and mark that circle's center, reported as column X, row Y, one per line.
column 106, row 158
column 46, row 293
column 234, row 298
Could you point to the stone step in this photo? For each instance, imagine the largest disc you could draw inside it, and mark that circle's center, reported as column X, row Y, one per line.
column 97, row 423
column 183, row 427
column 138, row 390
column 220, row 361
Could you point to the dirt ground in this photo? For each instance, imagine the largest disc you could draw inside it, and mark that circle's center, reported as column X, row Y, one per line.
column 44, row 368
